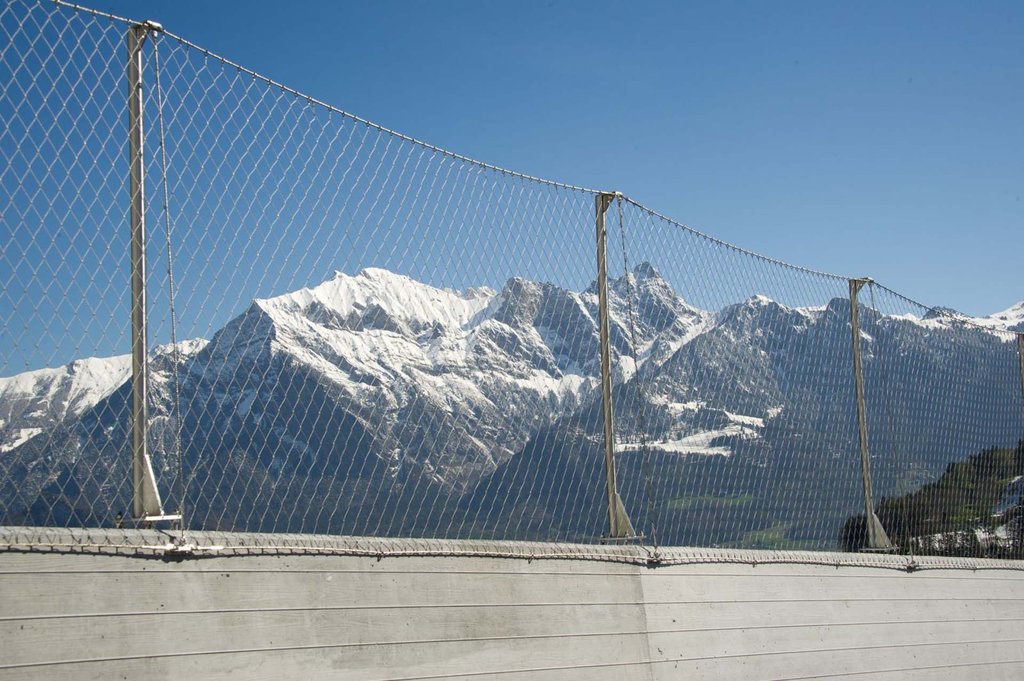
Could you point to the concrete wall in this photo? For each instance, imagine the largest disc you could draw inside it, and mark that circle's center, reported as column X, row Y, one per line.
column 260, row 616
column 790, row 621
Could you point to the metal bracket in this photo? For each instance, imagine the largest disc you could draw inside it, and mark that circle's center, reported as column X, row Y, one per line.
column 160, row 518
column 622, row 540
column 149, row 25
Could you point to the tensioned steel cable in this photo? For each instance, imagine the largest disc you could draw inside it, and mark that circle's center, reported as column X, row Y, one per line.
column 641, row 406
column 893, row 440
column 483, row 164
column 175, row 358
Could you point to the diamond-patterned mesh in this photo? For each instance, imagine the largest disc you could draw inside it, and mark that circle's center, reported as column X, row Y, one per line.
column 946, row 431
column 372, row 336
column 411, row 333
column 745, row 399
column 63, row 265
column 740, row 428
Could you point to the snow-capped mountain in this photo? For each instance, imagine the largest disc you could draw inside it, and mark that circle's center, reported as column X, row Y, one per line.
column 376, row 399
column 36, row 401
column 376, row 381
column 445, row 382
column 746, row 434
column 1011, row 319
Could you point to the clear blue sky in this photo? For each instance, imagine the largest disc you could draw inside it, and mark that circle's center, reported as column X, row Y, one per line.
column 859, row 139
column 884, row 139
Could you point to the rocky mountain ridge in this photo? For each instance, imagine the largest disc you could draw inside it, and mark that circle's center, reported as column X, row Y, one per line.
column 375, row 396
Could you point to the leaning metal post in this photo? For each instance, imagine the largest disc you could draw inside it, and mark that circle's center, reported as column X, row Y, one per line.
column 619, row 526
column 876, row 536
column 146, row 504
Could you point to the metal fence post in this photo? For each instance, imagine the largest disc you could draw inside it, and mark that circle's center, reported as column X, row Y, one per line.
column 619, row 526
column 146, row 505
column 877, row 539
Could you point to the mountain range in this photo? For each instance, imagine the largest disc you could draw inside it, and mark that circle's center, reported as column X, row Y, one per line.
column 376, row 404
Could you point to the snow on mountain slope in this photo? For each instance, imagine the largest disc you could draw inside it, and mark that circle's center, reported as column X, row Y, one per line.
column 373, row 391
column 376, row 328
column 1011, row 319
column 34, row 401
column 386, row 382
column 790, row 366
column 82, row 382
column 664, row 321
column 703, row 443
column 481, row 369
column 377, row 298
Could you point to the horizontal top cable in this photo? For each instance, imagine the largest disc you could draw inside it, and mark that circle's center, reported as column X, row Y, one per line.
column 726, row 244
column 492, row 167
column 329, row 107
column 377, row 126
column 95, row 12
column 940, row 312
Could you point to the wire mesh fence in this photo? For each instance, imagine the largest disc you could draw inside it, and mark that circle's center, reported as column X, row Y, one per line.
column 351, row 332
column 742, row 409
column 946, row 437
column 63, row 189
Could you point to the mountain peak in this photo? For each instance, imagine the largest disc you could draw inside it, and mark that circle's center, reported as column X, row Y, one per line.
column 107, row 370
column 374, row 274
column 396, row 295
column 943, row 313
column 646, row 270
column 643, row 276
column 1011, row 318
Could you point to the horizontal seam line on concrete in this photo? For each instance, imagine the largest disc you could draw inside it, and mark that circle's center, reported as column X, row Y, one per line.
column 503, row 605
column 896, row 670
column 315, row 646
column 834, row 625
column 898, row 599
column 245, row 611
column 214, row 611
column 522, row 670
column 881, row 646
column 874, row 576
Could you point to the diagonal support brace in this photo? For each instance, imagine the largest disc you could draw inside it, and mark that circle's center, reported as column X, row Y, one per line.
column 877, row 539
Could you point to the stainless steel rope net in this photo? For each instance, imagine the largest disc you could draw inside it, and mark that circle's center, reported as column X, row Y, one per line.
column 372, row 336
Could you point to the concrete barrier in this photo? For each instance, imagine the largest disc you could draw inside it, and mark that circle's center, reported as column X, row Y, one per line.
column 552, row 613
